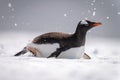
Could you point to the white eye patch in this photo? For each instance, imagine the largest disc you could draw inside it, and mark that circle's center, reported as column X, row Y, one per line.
column 83, row 22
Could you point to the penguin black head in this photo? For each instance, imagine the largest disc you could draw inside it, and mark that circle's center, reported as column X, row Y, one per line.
column 93, row 24
column 85, row 25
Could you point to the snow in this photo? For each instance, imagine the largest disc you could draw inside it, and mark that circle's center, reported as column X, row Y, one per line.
column 107, row 17
column 65, row 15
column 112, row 4
column 118, row 13
column 94, row 1
column 2, row 17
column 15, row 24
column 29, row 68
column 104, row 65
column 94, row 13
column 92, row 4
column 9, row 5
column 94, row 9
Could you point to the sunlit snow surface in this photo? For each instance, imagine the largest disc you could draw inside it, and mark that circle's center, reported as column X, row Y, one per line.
column 104, row 65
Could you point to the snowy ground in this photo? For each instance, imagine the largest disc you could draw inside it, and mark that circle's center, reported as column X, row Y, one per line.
column 104, row 64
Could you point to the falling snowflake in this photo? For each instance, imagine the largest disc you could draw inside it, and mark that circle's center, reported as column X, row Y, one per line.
column 2, row 17
column 15, row 24
column 118, row 13
column 107, row 17
column 112, row 4
column 94, row 13
column 92, row 4
column 9, row 5
column 65, row 15
column 93, row 1
column 94, row 8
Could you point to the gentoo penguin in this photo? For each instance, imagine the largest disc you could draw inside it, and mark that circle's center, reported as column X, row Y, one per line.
column 61, row 45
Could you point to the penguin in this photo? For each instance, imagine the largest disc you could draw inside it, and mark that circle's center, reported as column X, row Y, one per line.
column 61, row 45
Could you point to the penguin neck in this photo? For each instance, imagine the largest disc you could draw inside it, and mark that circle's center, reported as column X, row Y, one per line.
column 80, row 35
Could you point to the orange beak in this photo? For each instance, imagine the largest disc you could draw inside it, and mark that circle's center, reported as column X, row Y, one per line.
column 96, row 24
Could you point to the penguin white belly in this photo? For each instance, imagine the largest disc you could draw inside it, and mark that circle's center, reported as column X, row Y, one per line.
column 73, row 53
column 44, row 50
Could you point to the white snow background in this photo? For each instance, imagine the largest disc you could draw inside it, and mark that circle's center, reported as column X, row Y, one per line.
column 104, row 65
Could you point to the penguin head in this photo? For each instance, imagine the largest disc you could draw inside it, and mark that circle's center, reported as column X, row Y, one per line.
column 85, row 25
column 93, row 24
